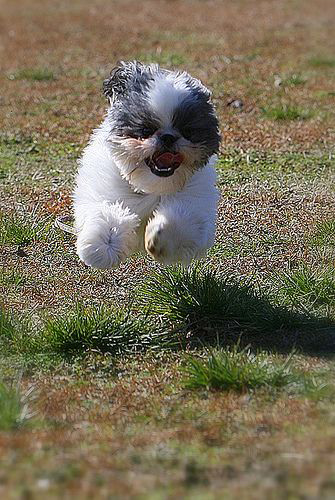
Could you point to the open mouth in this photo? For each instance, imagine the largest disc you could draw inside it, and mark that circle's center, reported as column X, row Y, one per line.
column 164, row 164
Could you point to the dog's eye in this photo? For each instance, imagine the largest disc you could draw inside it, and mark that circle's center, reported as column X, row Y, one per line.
column 188, row 133
column 146, row 132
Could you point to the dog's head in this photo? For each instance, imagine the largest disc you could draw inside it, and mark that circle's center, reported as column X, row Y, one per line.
column 163, row 126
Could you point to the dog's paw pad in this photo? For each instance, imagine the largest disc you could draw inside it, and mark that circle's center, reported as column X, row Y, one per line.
column 156, row 243
column 153, row 245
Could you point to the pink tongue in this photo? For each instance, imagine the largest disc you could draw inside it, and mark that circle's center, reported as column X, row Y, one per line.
column 167, row 160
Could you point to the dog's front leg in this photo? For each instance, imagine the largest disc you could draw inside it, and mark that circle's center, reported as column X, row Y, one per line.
column 178, row 233
column 107, row 235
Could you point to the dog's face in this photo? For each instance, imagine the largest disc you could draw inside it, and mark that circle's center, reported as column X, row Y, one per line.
column 162, row 126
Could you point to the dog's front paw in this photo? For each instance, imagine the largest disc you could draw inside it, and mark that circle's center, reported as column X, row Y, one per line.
column 103, row 246
column 101, row 253
column 170, row 242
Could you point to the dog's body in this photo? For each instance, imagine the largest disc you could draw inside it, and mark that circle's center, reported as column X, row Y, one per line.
column 142, row 184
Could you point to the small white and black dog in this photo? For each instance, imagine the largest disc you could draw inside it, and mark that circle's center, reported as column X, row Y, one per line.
column 147, row 180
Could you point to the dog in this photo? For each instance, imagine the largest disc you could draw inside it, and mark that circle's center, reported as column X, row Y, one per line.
column 146, row 180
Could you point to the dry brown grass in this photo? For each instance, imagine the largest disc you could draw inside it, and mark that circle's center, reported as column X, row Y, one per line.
column 236, row 48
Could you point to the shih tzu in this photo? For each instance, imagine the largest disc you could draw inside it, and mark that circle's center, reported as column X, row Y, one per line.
column 146, row 180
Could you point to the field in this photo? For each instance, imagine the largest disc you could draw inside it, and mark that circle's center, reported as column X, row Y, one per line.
column 211, row 382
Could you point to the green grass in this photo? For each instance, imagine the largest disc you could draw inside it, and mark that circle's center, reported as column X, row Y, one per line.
column 12, row 278
column 238, row 370
column 14, row 407
column 324, row 234
column 324, row 94
column 83, row 330
column 15, row 334
column 294, row 79
column 236, row 167
column 16, row 230
column 7, row 326
column 99, row 329
column 322, row 62
column 23, row 154
column 200, row 300
column 33, row 75
column 180, row 308
column 308, row 287
column 286, row 113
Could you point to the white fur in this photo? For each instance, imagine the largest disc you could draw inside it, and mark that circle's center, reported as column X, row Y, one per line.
column 165, row 95
column 113, row 220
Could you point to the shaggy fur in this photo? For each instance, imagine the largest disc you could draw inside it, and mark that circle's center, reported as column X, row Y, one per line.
column 147, row 180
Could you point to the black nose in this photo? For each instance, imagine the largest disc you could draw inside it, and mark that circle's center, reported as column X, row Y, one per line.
column 168, row 139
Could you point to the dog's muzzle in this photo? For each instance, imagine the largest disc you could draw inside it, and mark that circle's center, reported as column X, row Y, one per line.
column 164, row 164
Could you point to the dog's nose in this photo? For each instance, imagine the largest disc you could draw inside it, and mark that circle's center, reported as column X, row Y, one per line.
column 168, row 139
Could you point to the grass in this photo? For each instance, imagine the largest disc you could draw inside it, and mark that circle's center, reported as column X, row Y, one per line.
column 163, row 58
column 12, row 278
column 33, row 75
column 238, row 370
column 15, row 334
column 7, row 326
column 14, row 407
column 16, row 230
column 308, row 287
column 324, row 234
column 183, row 308
column 197, row 297
column 236, row 167
column 99, row 329
column 110, row 374
column 322, row 62
column 286, row 113
column 30, row 160
column 82, row 331
column 294, row 79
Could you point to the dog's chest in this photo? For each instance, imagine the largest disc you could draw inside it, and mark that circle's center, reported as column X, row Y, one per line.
column 142, row 204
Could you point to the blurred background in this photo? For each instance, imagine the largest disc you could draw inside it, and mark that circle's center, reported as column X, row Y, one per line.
column 269, row 63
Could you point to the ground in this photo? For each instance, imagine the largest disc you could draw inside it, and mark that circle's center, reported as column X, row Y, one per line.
column 89, row 410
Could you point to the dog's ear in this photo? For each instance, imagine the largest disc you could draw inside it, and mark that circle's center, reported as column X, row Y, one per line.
column 120, row 79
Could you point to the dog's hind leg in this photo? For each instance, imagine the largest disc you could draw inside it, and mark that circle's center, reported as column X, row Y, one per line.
column 107, row 235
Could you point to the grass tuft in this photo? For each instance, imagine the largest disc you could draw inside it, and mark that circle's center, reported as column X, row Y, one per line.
column 15, row 230
column 16, row 334
column 237, row 370
column 14, row 407
column 12, row 278
column 324, row 234
column 294, row 79
column 322, row 62
column 199, row 300
column 7, row 326
column 99, row 329
column 305, row 287
column 283, row 113
column 33, row 74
